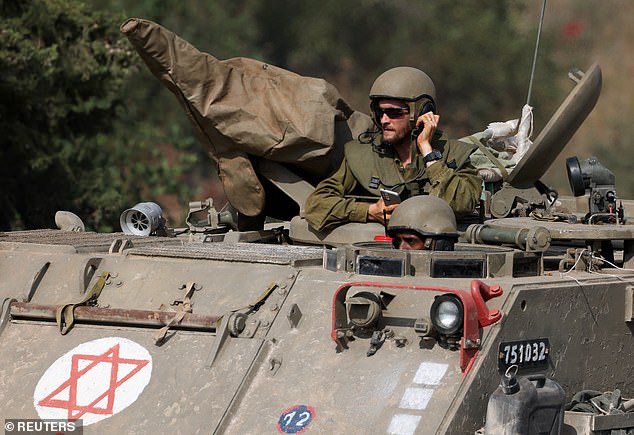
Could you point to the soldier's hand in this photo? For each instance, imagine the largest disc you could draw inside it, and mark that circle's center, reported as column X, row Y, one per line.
column 375, row 212
column 429, row 121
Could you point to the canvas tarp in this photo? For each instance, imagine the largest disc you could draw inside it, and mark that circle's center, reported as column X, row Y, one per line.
column 241, row 107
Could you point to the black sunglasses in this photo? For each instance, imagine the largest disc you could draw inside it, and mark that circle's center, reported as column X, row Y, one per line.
column 391, row 112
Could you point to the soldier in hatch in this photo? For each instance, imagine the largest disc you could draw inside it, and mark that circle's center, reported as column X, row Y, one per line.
column 408, row 155
column 425, row 223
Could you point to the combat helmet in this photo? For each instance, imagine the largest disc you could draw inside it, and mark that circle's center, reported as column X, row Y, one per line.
column 405, row 83
column 428, row 216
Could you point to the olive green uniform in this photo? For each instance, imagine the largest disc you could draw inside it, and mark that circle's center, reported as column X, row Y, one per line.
column 367, row 168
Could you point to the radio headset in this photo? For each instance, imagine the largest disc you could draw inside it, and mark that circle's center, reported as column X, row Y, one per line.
column 428, row 106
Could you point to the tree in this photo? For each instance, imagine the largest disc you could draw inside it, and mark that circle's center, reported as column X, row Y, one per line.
column 62, row 68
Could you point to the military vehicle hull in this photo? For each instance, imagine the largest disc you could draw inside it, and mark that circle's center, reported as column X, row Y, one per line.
column 287, row 364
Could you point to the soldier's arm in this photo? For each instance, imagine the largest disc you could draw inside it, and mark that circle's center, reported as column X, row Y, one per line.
column 460, row 187
column 327, row 207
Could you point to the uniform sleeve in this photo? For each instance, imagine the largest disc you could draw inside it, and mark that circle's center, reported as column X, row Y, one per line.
column 327, row 207
column 460, row 187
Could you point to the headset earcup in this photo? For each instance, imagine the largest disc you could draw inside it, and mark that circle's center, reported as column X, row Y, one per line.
column 373, row 106
column 429, row 106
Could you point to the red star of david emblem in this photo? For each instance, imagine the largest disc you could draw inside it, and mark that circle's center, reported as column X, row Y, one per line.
column 75, row 411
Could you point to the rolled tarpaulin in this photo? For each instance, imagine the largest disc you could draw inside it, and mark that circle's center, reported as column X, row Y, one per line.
column 242, row 107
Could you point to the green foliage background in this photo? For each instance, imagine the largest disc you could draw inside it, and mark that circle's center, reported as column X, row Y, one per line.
column 85, row 127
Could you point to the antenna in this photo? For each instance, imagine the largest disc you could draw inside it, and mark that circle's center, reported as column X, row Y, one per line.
column 530, row 82
column 385, row 222
column 539, row 34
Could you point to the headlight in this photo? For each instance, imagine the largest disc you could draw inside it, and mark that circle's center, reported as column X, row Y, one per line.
column 588, row 174
column 447, row 314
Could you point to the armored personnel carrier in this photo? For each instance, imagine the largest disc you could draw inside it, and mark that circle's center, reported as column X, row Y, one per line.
column 227, row 327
